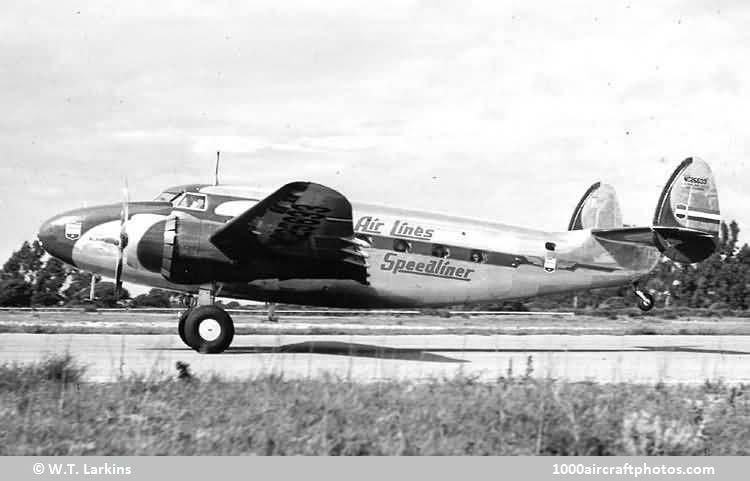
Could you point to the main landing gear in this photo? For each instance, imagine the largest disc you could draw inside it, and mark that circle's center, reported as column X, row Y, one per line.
column 645, row 300
column 206, row 328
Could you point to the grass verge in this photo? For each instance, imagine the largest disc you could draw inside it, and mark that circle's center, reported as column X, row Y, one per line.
column 43, row 413
column 60, row 369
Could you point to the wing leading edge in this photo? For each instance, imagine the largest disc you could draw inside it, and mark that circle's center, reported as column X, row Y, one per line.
column 301, row 220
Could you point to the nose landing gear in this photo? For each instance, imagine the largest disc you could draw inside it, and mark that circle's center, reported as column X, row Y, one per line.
column 206, row 328
column 645, row 300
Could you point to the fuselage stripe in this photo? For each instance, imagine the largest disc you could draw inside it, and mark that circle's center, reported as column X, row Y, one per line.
column 704, row 219
column 463, row 254
column 432, row 275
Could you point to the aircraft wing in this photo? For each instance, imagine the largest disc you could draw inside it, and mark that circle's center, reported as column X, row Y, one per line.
column 301, row 220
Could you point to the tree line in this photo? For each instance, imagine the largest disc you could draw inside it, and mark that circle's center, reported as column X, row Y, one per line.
column 720, row 282
column 32, row 278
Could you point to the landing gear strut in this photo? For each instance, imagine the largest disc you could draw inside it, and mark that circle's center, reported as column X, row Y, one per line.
column 206, row 328
column 645, row 300
column 272, row 317
column 187, row 300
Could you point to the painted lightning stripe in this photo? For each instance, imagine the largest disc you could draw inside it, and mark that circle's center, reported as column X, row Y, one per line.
column 681, row 211
column 692, row 213
column 704, row 216
column 704, row 211
column 434, row 275
column 704, row 219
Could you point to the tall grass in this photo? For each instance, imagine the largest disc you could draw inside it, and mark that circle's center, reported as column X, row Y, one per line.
column 59, row 368
column 270, row 415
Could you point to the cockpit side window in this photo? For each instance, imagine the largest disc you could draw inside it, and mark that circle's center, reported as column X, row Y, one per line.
column 191, row 201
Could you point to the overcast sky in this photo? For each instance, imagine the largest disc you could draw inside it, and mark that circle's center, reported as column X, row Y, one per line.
column 497, row 110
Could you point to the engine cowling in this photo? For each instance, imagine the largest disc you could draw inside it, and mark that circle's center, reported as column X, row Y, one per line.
column 188, row 257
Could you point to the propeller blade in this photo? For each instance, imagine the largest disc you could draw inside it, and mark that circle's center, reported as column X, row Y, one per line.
column 118, row 277
column 122, row 253
column 124, row 216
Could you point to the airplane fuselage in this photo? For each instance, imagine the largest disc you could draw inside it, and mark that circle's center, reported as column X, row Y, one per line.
column 414, row 258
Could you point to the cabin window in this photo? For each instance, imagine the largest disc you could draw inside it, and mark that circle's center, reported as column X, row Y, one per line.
column 400, row 245
column 191, row 201
column 477, row 256
column 441, row 251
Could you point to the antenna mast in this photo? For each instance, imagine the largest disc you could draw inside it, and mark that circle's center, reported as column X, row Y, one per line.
column 216, row 172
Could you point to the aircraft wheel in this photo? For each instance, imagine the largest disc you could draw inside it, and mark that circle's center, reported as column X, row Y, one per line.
column 645, row 301
column 181, row 326
column 208, row 329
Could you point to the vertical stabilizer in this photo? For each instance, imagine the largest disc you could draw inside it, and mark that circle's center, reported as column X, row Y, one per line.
column 687, row 218
column 690, row 199
column 597, row 209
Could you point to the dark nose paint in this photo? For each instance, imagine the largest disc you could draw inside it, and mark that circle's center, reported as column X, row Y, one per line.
column 52, row 236
column 150, row 247
column 59, row 234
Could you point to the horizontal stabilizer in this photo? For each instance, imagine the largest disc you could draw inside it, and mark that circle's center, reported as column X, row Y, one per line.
column 627, row 235
column 678, row 243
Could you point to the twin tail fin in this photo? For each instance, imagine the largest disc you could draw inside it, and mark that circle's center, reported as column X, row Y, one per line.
column 686, row 222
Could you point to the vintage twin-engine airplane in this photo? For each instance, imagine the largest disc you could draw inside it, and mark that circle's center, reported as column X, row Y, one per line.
column 308, row 244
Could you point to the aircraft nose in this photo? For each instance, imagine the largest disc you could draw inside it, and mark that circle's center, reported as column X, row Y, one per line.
column 58, row 235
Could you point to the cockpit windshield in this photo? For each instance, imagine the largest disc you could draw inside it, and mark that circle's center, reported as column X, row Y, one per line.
column 190, row 200
column 167, row 196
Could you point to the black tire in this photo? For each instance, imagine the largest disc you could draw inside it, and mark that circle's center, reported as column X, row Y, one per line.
column 645, row 304
column 212, row 338
column 181, row 326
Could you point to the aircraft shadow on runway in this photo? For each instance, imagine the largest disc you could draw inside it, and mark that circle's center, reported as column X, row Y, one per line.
column 338, row 348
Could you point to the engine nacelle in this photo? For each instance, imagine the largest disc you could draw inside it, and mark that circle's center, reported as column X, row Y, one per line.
column 188, row 257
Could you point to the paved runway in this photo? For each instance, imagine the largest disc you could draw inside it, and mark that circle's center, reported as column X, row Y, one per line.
column 647, row 359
